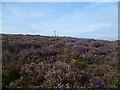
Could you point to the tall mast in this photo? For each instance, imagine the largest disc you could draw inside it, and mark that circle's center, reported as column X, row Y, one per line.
column 55, row 33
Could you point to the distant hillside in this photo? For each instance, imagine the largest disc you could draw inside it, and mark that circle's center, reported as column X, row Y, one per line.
column 59, row 62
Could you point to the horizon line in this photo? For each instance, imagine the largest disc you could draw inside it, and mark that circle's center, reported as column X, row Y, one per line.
column 56, row 36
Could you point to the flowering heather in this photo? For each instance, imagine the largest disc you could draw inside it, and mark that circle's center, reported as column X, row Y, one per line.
column 34, row 61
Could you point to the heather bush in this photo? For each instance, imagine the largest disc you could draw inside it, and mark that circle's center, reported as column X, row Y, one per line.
column 100, row 84
column 98, row 44
column 35, row 61
column 83, row 49
column 31, row 75
column 56, row 75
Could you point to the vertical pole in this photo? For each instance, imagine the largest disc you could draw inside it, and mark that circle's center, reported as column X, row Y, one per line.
column 55, row 33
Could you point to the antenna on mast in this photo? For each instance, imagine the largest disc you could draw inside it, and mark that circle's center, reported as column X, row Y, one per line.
column 55, row 33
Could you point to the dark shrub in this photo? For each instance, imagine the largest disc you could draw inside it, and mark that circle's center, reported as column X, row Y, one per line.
column 82, row 64
column 9, row 75
column 99, row 73
column 114, row 82
column 97, row 44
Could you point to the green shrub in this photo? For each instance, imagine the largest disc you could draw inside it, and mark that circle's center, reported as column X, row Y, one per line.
column 99, row 73
column 114, row 82
column 9, row 75
column 99, row 62
column 82, row 64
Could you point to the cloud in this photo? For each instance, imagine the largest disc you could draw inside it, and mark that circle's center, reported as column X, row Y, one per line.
column 106, row 32
column 94, row 20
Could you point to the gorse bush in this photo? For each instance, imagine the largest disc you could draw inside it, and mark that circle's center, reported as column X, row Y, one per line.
column 73, row 60
column 80, row 64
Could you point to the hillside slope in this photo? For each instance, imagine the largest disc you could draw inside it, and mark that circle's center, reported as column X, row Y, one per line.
column 59, row 62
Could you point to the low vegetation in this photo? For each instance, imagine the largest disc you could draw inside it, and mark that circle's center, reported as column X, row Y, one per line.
column 34, row 61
